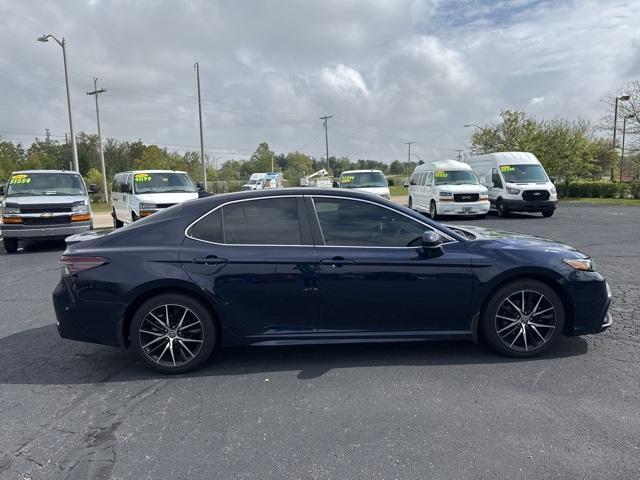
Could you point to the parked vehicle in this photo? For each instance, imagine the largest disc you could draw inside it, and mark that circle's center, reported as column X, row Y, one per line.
column 41, row 204
column 367, row 181
column 299, row 266
column 140, row 193
column 517, row 182
column 447, row 187
column 319, row 179
column 261, row 181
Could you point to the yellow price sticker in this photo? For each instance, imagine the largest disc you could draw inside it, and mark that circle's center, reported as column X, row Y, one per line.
column 347, row 179
column 441, row 174
column 19, row 179
column 507, row 168
column 142, row 177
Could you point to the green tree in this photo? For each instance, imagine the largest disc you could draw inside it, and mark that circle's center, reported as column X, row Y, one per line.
column 263, row 158
column 152, row 157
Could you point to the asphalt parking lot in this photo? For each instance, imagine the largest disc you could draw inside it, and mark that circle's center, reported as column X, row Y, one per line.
column 388, row 411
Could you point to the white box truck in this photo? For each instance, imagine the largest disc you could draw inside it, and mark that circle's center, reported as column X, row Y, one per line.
column 516, row 181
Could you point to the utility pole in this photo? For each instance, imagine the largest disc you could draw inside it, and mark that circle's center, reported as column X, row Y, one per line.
column 459, row 155
column 409, row 157
column 196, row 67
column 96, row 93
column 623, row 98
column 326, row 137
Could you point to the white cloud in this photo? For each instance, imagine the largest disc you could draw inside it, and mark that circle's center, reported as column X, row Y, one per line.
column 344, row 80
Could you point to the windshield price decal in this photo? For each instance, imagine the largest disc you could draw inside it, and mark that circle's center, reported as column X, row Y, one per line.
column 507, row 168
column 441, row 174
column 142, row 177
column 18, row 179
column 347, row 178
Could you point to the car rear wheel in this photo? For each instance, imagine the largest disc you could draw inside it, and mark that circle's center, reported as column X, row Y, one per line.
column 116, row 223
column 523, row 318
column 10, row 245
column 547, row 213
column 433, row 210
column 173, row 333
column 410, row 203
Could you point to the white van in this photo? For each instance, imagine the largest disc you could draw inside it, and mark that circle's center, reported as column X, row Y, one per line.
column 139, row 193
column 447, row 187
column 260, row 181
column 517, row 182
column 367, row 181
column 44, row 204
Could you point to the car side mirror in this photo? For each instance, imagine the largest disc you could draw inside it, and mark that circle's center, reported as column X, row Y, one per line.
column 126, row 188
column 200, row 186
column 431, row 243
column 1, row 189
column 336, row 185
column 93, row 188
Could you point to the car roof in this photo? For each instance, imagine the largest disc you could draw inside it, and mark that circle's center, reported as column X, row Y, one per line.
column 361, row 171
column 67, row 172
column 447, row 164
column 152, row 171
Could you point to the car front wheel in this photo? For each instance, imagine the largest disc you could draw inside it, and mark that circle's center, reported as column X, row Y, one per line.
column 10, row 245
column 173, row 333
column 433, row 210
column 523, row 318
column 501, row 209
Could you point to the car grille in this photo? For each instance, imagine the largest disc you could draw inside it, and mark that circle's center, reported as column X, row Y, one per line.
column 46, row 220
column 46, row 208
column 533, row 195
column 466, row 197
column 165, row 205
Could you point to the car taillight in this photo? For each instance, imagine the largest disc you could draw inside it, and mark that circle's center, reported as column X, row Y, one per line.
column 72, row 264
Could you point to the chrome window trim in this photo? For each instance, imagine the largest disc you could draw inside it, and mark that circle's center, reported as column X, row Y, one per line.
column 186, row 230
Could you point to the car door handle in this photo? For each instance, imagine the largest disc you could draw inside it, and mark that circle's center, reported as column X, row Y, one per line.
column 336, row 261
column 209, row 260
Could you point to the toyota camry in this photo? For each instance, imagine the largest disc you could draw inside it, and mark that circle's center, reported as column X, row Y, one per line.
column 309, row 266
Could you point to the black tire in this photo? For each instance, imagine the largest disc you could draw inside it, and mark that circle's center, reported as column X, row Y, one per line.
column 10, row 245
column 481, row 217
column 547, row 213
column 501, row 210
column 116, row 223
column 410, row 205
column 134, row 217
column 433, row 210
column 199, row 340
column 499, row 332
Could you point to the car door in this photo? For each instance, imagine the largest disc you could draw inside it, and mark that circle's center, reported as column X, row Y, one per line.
column 257, row 260
column 374, row 275
column 496, row 186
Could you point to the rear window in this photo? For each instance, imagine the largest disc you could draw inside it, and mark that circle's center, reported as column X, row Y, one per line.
column 269, row 221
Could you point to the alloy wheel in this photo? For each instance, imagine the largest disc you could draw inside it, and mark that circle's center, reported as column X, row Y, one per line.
column 525, row 320
column 171, row 335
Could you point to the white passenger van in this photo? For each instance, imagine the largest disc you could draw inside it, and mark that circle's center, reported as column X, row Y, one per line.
column 447, row 187
column 44, row 204
column 517, row 182
column 137, row 194
column 367, row 181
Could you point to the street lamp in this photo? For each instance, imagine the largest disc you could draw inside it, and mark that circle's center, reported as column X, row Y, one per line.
column 74, row 150
column 624, row 131
column 622, row 98
column 474, row 125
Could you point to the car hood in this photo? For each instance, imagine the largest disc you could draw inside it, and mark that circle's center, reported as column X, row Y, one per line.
column 44, row 199
column 515, row 240
column 168, row 197
column 372, row 190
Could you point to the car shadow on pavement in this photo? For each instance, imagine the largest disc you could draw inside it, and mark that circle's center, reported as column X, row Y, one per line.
column 39, row 246
column 39, row 356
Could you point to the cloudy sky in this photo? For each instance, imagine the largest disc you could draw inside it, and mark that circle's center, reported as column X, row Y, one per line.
column 388, row 71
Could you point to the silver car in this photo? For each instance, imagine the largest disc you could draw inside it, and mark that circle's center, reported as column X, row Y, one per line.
column 44, row 204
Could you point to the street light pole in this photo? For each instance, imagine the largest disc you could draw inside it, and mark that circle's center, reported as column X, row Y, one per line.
column 74, row 149
column 624, row 131
column 196, row 67
column 622, row 98
column 326, row 137
column 95, row 93
column 467, row 125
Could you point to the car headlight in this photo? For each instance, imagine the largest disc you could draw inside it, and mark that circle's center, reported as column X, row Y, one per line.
column 552, row 190
column 484, row 196
column 513, row 191
column 148, row 206
column 583, row 264
column 80, row 207
column 10, row 210
column 446, row 194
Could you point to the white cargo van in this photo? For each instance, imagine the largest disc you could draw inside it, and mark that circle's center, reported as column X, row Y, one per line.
column 140, row 193
column 260, row 181
column 447, row 187
column 367, row 181
column 44, row 204
column 517, row 182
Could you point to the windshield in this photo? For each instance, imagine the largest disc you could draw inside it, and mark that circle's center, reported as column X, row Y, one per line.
column 455, row 177
column 363, row 180
column 49, row 184
column 524, row 174
column 168, row 182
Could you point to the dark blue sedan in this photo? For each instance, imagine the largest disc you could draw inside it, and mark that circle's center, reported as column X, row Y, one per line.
column 300, row 266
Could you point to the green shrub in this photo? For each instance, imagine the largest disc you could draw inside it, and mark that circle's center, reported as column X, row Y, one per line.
column 600, row 189
column 634, row 189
